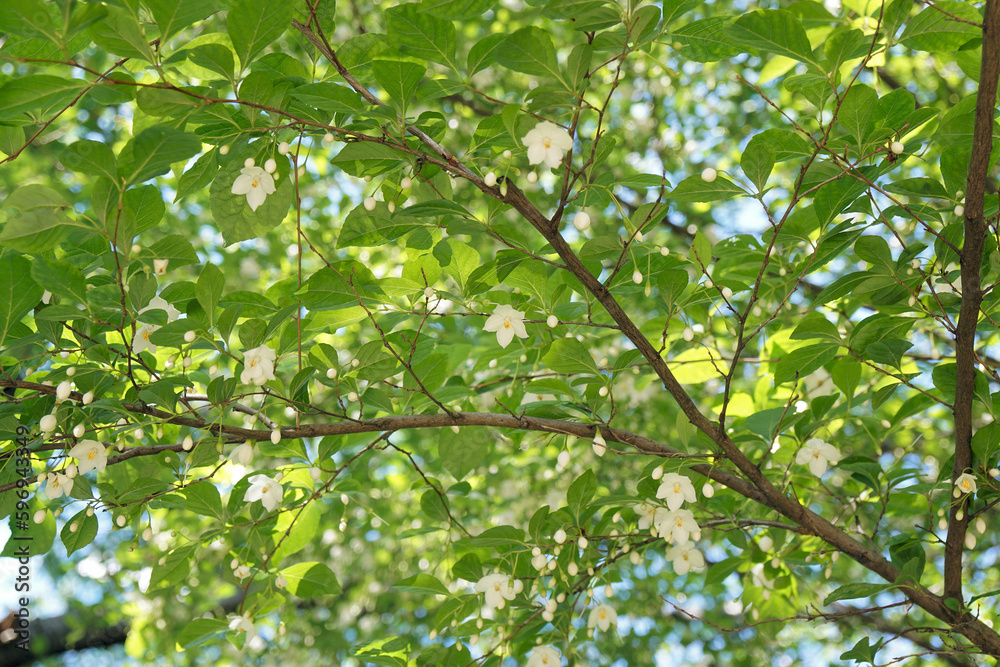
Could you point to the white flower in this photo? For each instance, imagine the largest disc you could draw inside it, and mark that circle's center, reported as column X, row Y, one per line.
column 676, row 525
column 141, row 341
column 255, row 183
column 160, row 266
column 280, row 581
column 241, row 572
column 600, row 444
column 46, row 297
column 244, row 624
column 965, row 483
column 91, row 455
column 243, row 454
column 676, row 489
column 546, row 143
column 603, row 617
column 57, row 484
column 258, row 365
column 159, row 303
column 266, row 490
column 646, row 512
column 498, row 588
column 506, row 322
column 544, row 656
column 817, row 454
column 684, row 557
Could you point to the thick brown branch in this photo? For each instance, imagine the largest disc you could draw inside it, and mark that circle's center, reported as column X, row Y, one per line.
column 972, row 294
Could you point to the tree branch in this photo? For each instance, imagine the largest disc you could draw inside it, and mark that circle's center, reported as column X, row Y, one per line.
column 972, row 294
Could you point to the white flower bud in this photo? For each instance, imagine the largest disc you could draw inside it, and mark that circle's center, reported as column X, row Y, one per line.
column 582, row 542
column 188, row 443
column 637, row 277
column 79, row 430
column 532, row 177
column 327, row 138
column 352, row 397
column 189, row 336
column 581, row 220
column 765, row 543
column 602, row 392
column 187, row 362
column 223, row 150
column 657, row 472
column 39, row 516
column 552, row 321
column 147, row 535
column 120, row 520
column 572, row 570
column 490, row 179
column 315, row 473
column 249, row 162
column 62, row 391
column 959, row 210
column 355, row 363
column 897, row 147
column 88, row 398
column 559, row 536
column 406, row 183
column 708, row 174
column 48, row 423
column 727, row 293
column 370, row 203
column 980, row 525
column 708, row 490
column 331, row 373
column 688, row 334
column 275, row 436
column 139, row 434
column 283, row 148
column 635, row 557
column 563, row 458
column 428, row 292
column 270, row 165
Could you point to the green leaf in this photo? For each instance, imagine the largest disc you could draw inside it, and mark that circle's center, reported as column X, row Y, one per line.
column 568, row 355
column 803, row 361
column 758, row 161
column 855, row 113
column 864, row 651
column 208, row 289
column 364, row 158
column 399, row 79
column 775, row 31
column 935, row 30
column 484, row 53
column 60, row 278
column 172, row 16
column 37, row 91
column 854, row 591
column 91, row 157
column 529, row 51
column 422, row 35
column 78, row 532
column 457, row 10
column 254, row 24
column 707, row 40
column 423, row 584
column 697, row 189
column 200, row 631
column 203, row 498
column 154, row 150
column 120, row 33
column 311, row 580
column 236, row 220
column 461, row 453
column 29, row 18
column 213, row 57
column 581, row 492
column 18, row 292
